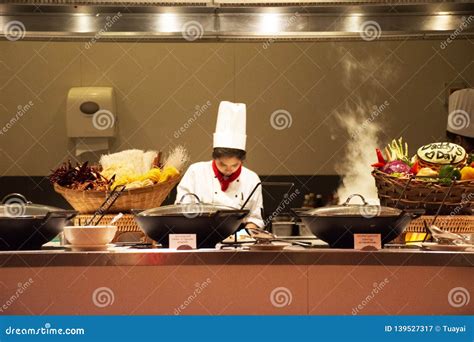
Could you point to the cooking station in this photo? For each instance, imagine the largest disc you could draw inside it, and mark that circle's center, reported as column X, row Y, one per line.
column 127, row 281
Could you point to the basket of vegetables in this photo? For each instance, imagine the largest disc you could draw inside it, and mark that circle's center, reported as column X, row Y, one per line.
column 147, row 182
column 425, row 180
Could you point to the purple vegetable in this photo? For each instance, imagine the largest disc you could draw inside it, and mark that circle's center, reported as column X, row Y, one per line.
column 396, row 166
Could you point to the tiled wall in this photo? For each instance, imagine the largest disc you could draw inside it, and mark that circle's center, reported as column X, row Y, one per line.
column 159, row 86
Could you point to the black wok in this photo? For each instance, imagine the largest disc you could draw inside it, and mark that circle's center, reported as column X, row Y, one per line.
column 337, row 225
column 210, row 223
column 24, row 225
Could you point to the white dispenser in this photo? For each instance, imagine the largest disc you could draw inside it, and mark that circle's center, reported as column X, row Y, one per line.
column 91, row 118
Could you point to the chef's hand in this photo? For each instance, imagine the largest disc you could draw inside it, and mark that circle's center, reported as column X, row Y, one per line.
column 251, row 225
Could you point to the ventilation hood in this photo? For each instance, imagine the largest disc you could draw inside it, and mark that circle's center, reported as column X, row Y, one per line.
column 227, row 20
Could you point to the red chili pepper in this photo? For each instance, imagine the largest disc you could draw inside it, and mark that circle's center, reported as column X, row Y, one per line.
column 380, row 157
column 415, row 168
column 378, row 165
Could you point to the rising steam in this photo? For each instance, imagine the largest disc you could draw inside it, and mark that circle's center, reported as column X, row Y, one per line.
column 361, row 121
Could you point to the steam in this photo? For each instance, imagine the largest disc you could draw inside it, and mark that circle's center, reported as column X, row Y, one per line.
column 360, row 120
column 360, row 152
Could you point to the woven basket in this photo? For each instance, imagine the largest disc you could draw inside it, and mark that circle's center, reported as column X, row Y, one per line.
column 126, row 224
column 88, row 201
column 424, row 195
column 456, row 224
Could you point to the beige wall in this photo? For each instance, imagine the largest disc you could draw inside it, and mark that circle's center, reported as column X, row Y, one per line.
column 160, row 84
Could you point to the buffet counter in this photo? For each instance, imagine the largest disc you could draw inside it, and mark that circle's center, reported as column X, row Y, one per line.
column 226, row 282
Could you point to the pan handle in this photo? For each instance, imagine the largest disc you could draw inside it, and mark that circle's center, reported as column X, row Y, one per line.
column 293, row 214
column 136, row 211
column 355, row 195
column 189, row 194
column 66, row 214
column 413, row 213
column 241, row 213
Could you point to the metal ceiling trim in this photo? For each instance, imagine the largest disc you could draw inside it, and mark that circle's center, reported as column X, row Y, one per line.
column 204, row 23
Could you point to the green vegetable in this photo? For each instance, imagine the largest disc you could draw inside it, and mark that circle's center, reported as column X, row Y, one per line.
column 447, row 173
column 397, row 150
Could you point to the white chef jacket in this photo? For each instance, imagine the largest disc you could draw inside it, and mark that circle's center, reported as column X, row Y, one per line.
column 201, row 180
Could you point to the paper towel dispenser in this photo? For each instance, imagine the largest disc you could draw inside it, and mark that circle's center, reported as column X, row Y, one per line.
column 91, row 112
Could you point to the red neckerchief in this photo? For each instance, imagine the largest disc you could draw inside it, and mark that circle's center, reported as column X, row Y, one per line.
column 225, row 180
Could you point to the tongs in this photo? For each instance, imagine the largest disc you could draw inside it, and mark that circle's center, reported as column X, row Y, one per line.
column 106, row 205
column 439, row 235
column 264, row 237
column 444, row 237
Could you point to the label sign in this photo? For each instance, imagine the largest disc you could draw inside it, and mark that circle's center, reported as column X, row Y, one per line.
column 182, row 241
column 367, row 241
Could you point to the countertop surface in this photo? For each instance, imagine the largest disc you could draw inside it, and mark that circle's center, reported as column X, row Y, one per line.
column 125, row 256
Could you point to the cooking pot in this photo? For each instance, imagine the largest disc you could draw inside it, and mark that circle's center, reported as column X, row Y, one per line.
column 211, row 223
column 337, row 224
column 24, row 225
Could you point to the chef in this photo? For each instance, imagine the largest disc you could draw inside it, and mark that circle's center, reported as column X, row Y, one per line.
column 224, row 180
column 460, row 129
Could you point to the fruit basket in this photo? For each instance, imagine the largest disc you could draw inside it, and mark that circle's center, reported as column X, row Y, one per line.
column 440, row 175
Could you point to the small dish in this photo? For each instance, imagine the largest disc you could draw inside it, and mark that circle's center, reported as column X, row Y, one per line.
column 440, row 247
column 88, row 236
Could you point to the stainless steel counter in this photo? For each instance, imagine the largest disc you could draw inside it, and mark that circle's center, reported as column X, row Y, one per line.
column 234, row 282
column 155, row 257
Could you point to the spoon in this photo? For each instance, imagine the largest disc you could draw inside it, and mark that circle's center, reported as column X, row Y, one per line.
column 116, row 218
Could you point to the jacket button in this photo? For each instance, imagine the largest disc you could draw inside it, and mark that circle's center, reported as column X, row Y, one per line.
column 215, row 192
column 235, row 196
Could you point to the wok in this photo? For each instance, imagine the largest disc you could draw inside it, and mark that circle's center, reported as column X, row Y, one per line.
column 211, row 223
column 337, row 225
column 24, row 225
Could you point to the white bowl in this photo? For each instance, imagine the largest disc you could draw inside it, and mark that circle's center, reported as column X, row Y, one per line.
column 89, row 235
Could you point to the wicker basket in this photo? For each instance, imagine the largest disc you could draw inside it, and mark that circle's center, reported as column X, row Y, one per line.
column 425, row 195
column 89, row 201
column 125, row 225
column 460, row 224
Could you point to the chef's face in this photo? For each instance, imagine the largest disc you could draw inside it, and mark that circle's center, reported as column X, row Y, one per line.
column 228, row 165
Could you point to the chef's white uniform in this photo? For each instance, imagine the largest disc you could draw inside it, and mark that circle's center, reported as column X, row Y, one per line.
column 201, row 180
column 461, row 113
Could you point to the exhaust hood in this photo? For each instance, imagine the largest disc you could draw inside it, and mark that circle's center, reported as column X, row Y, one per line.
column 231, row 20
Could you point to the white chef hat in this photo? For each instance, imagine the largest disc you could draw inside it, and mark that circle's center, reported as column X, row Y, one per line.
column 231, row 126
column 461, row 113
